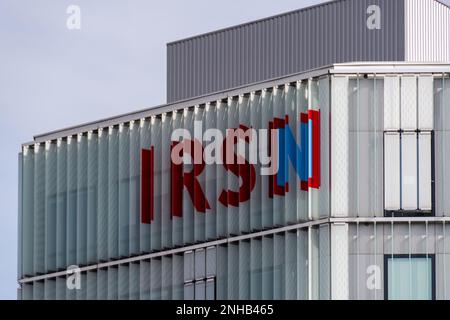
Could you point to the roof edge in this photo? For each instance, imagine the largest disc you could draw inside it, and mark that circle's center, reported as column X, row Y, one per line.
column 252, row 22
column 177, row 105
column 337, row 68
column 443, row 3
column 171, row 43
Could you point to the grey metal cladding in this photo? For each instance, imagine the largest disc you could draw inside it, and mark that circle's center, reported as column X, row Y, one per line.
column 294, row 42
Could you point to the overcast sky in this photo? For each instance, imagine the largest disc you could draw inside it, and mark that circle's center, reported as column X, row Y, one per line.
column 52, row 77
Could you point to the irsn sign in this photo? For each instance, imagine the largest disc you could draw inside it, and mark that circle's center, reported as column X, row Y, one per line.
column 188, row 162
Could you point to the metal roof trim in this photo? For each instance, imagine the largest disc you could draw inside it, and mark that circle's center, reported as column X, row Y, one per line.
column 390, row 67
column 157, row 110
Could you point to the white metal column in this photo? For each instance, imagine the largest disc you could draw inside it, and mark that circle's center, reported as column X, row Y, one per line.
column 339, row 262
column 339, row 147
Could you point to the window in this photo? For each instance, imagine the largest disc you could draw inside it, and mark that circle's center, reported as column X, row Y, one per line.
column 200, row 274
column 409, row 277
column 408, row 173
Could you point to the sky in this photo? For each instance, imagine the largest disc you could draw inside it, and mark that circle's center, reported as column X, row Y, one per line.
column 52, row 77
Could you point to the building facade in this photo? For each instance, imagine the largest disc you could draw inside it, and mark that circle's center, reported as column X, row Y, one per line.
column 356, row 210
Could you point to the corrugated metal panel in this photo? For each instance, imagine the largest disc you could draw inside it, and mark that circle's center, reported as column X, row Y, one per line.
column 427, row 30
column 285, row 44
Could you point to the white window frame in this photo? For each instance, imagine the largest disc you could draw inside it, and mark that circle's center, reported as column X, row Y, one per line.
column 405, row 193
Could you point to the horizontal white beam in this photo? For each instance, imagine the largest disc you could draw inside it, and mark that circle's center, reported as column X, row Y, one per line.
column 180, row 250
column 390, row 68
column 249, row 236
column 391, row 220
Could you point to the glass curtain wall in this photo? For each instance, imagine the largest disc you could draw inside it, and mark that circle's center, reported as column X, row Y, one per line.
column 85, row 199
column 89, row 198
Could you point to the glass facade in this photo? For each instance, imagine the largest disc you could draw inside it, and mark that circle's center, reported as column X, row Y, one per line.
column 359, row 153
column 86, row 204
column 410, row 278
